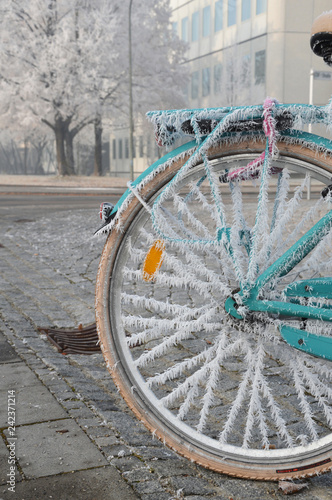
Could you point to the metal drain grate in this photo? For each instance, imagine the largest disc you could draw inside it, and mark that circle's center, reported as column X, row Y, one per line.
column 81, row 340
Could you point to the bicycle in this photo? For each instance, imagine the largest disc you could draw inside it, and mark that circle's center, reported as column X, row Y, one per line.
column 214, row 289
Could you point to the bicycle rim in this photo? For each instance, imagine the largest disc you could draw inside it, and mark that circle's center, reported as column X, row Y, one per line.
column 228, row 394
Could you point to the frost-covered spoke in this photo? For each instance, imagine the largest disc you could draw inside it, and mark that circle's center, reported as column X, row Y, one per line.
column 303, row 224
column 255, row 410
column 175, row 280
column 199, row 375
column 164, row 324
column 185, row 331
column 143, row 337
column 303, row 399
column 276, row 413
column 196, row 268
column 239, row 228
column 240, row 396
column 260, row 231
column 317, row 259
column 159, row 306
column 214, row 370
column 193, row 221
column 176, row 370
column 321, row 392
column 233, row 381
column 203, row 201
column 284, row 220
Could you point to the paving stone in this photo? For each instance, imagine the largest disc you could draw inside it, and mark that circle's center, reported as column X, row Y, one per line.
column 80, row 413
column 6, row 464
column 106, row 405
column 104, row 483
column 130, row 429
column 128, row 463
column 106, row 442
column 117, row 450
column 192, row 485
column 39, row 404
column 169, row 468
column 7, row 353
column 74, row 450
column 250, row 490
column 148, row 488
column 91, row 422
column 156, row 453
column 71, row 404
column 158, row 496
column 200, row 497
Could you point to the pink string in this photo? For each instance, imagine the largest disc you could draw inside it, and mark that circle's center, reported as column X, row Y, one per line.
column 253, row 169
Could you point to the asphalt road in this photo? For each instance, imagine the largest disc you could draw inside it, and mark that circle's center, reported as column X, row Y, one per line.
column 25, row 206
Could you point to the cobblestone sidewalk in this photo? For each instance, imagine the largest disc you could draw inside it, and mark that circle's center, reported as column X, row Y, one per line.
column 47, row 277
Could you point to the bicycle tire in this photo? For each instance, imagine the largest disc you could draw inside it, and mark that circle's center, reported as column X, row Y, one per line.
column 273, row 461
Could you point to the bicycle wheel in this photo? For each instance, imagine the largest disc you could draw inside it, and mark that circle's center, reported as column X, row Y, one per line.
column 228, row 394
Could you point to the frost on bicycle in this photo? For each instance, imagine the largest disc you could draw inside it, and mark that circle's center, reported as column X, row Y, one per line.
column 230, row 380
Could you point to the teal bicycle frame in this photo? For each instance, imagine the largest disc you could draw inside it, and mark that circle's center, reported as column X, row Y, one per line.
column 248, row 295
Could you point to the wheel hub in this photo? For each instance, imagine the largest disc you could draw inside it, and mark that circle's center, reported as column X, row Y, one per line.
column 232, row 306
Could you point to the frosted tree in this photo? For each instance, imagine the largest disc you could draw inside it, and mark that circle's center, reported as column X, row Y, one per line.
column 26, row 146
column 159, row 78
column 65, row 63
column 235, row 85
column 52, row 53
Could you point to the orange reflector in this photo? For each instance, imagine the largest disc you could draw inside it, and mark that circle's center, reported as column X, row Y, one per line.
column 153, row 260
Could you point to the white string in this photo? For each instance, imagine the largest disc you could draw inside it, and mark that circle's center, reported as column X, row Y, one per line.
column 138, row 196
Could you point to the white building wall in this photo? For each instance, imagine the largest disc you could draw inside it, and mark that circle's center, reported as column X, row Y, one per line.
column 273, row 44
column 145, row 150
column 282, row 30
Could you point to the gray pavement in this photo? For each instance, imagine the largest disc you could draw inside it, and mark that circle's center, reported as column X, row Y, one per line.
column 74, row 436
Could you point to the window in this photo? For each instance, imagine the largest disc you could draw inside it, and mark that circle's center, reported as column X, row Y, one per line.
column 218, row 19
column 246, row 10
column 260, row 67
column 245, row 70
column 134, row 147
column 260, row 6
column 194, row 84
column 175, row 28
column 206, row 20
column 120, row 149
column 195, row 27
column 231, row 17
column 217, row 76
column 126, row 147
column 184, row 29
column 114, row 149
column 206, row 82
column 141, row 148
column 148, row 147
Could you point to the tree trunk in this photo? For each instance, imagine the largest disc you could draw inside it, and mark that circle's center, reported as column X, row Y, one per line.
column 59, row 130
column 39, row 149
column 98, row 168
column 70, row 152
column 25, row 157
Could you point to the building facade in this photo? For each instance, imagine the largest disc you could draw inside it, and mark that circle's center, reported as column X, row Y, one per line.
column 239, row 52
column 145, row 149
